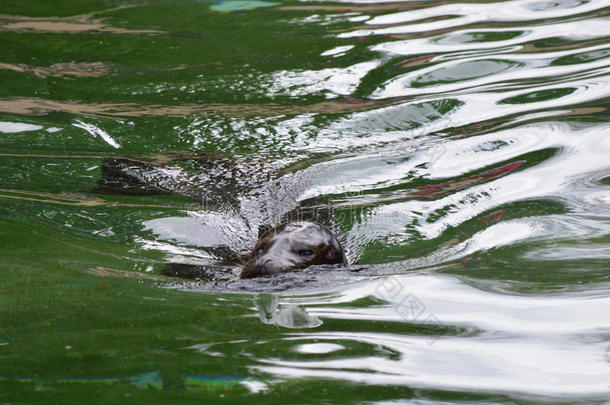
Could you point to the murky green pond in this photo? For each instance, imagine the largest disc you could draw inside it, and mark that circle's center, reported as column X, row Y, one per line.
column 460, row 151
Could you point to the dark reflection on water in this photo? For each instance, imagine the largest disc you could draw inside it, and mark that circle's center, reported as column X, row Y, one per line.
column 459, row 150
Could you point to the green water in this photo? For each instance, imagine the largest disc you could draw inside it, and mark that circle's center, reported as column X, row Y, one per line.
column 459, row 150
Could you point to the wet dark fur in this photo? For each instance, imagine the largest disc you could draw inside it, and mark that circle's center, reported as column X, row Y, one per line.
column 293, row 246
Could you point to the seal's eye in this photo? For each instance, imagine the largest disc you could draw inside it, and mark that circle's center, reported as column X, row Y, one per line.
column 305, row 252
column 260, row 251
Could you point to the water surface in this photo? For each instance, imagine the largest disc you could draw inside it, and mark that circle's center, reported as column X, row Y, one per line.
column 460, row 151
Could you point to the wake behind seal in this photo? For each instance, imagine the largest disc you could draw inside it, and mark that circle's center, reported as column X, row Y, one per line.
column 293, row 246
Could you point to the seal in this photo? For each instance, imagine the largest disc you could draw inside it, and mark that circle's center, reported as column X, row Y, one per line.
column 293, row 246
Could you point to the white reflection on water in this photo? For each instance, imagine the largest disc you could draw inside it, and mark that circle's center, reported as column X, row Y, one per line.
column 545, row 345
column 11, row 127
column 580, row 151
column 333, row 81
column 479, row 72
column 465, row 13
column 201, row 229
column 337, row 51
column 96, row 131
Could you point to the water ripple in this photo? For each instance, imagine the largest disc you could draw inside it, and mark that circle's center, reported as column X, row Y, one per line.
column 458, row 150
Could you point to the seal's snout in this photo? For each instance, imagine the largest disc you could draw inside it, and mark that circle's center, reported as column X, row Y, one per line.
column 256, row 268
column 293, row 246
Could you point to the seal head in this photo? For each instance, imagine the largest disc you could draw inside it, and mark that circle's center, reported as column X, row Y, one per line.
column 293, row 246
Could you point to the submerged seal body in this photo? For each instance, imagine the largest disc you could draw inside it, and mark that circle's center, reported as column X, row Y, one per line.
column 293, row 246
